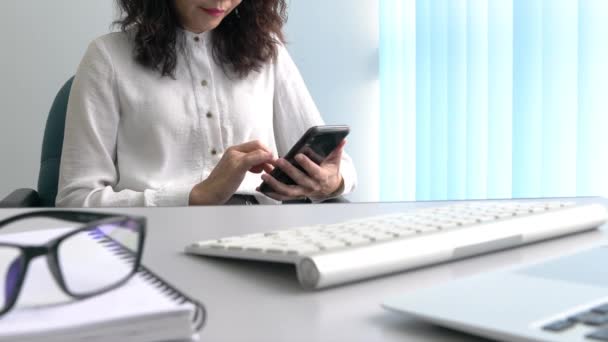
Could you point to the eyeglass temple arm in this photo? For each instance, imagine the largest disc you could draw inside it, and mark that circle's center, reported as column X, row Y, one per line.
column 73, row 216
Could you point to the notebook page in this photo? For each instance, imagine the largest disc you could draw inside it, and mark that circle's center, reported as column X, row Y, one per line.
column 43, row 308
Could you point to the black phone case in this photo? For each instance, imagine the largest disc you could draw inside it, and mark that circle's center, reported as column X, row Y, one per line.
column 317, row 143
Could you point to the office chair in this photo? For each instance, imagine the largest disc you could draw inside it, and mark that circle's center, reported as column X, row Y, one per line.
column 49, row 159
column 52, row 143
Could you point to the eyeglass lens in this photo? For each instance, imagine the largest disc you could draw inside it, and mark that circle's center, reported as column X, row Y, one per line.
column 97, row 258
column 10, row 271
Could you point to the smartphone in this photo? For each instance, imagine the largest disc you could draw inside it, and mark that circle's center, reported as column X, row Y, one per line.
column 317, row 143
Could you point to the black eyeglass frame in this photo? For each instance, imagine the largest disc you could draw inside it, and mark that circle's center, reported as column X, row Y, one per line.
column 50, row 248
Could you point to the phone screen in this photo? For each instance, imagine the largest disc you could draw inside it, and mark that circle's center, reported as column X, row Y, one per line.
column 320, row 146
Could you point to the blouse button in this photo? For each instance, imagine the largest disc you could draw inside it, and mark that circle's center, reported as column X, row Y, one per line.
column 213, row 152
column 196, row 39
column 209, row 115
column 204, row 83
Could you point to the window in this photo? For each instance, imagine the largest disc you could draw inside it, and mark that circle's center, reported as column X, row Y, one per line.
column 493, row 98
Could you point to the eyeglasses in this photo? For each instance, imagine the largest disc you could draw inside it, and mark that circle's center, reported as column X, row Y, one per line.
column 70, row 259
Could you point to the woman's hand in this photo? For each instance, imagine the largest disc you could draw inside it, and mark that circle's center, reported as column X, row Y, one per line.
column 319, row 181
column 229, row 173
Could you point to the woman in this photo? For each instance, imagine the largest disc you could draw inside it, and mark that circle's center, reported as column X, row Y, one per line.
column 189, row 105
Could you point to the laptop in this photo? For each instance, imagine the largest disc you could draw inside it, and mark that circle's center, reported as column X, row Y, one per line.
column 563, row 299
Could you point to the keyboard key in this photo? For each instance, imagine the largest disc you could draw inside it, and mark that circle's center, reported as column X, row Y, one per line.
column 275, row 250
column 482, row 219
column 355, row 240
column 600, row 335
column 591, row 318
column 601, row 309
column 465, row 221
column 424, row 229
column 503, row 215
column 559, row 326
column 302, row 249
column 330, row 244
column 400, row 233
column 447, row 225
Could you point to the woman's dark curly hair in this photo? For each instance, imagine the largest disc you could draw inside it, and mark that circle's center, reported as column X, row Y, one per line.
column 244, row 41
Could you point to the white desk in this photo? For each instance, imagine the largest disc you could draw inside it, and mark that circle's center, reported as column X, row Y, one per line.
column 249, row 301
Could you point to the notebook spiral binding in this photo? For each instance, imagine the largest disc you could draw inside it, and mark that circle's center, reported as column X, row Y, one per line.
column 200, row 313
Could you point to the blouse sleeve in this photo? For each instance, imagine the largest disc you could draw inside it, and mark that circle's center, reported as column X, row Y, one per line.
column 295, row 112
column 88, row 174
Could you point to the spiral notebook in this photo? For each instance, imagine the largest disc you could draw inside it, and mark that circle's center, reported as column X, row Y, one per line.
column 147, row 308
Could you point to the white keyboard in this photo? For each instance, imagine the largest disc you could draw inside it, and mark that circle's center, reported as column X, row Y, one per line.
column 332, row 254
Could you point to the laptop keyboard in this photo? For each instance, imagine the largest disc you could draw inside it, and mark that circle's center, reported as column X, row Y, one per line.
column 596, row 317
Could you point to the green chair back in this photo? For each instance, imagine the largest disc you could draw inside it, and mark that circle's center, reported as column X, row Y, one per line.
column 52, row 144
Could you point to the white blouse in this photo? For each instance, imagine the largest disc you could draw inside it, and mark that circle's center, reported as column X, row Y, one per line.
column 134, row 138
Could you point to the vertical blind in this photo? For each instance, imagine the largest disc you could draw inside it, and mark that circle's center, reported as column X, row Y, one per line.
column 493, row 98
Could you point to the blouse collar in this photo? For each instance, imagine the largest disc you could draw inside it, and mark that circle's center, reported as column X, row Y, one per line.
column 192, row 36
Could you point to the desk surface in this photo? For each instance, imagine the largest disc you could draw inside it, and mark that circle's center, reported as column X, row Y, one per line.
column 251, row 301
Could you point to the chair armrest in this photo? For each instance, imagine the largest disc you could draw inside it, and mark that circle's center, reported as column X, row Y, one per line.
column 339, row 199
column 21, row 198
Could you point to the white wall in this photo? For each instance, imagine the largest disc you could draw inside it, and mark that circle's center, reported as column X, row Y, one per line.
column 333, row 42
column 42, row 44
column 335, row 45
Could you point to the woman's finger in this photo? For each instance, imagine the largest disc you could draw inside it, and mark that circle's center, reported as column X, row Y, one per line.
column 254, row 158
column 268, row 168
column 252, row 146
column 291, row 191
column 298, row 176
column 265, row 167
column 312, row 169
column 257, row 169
